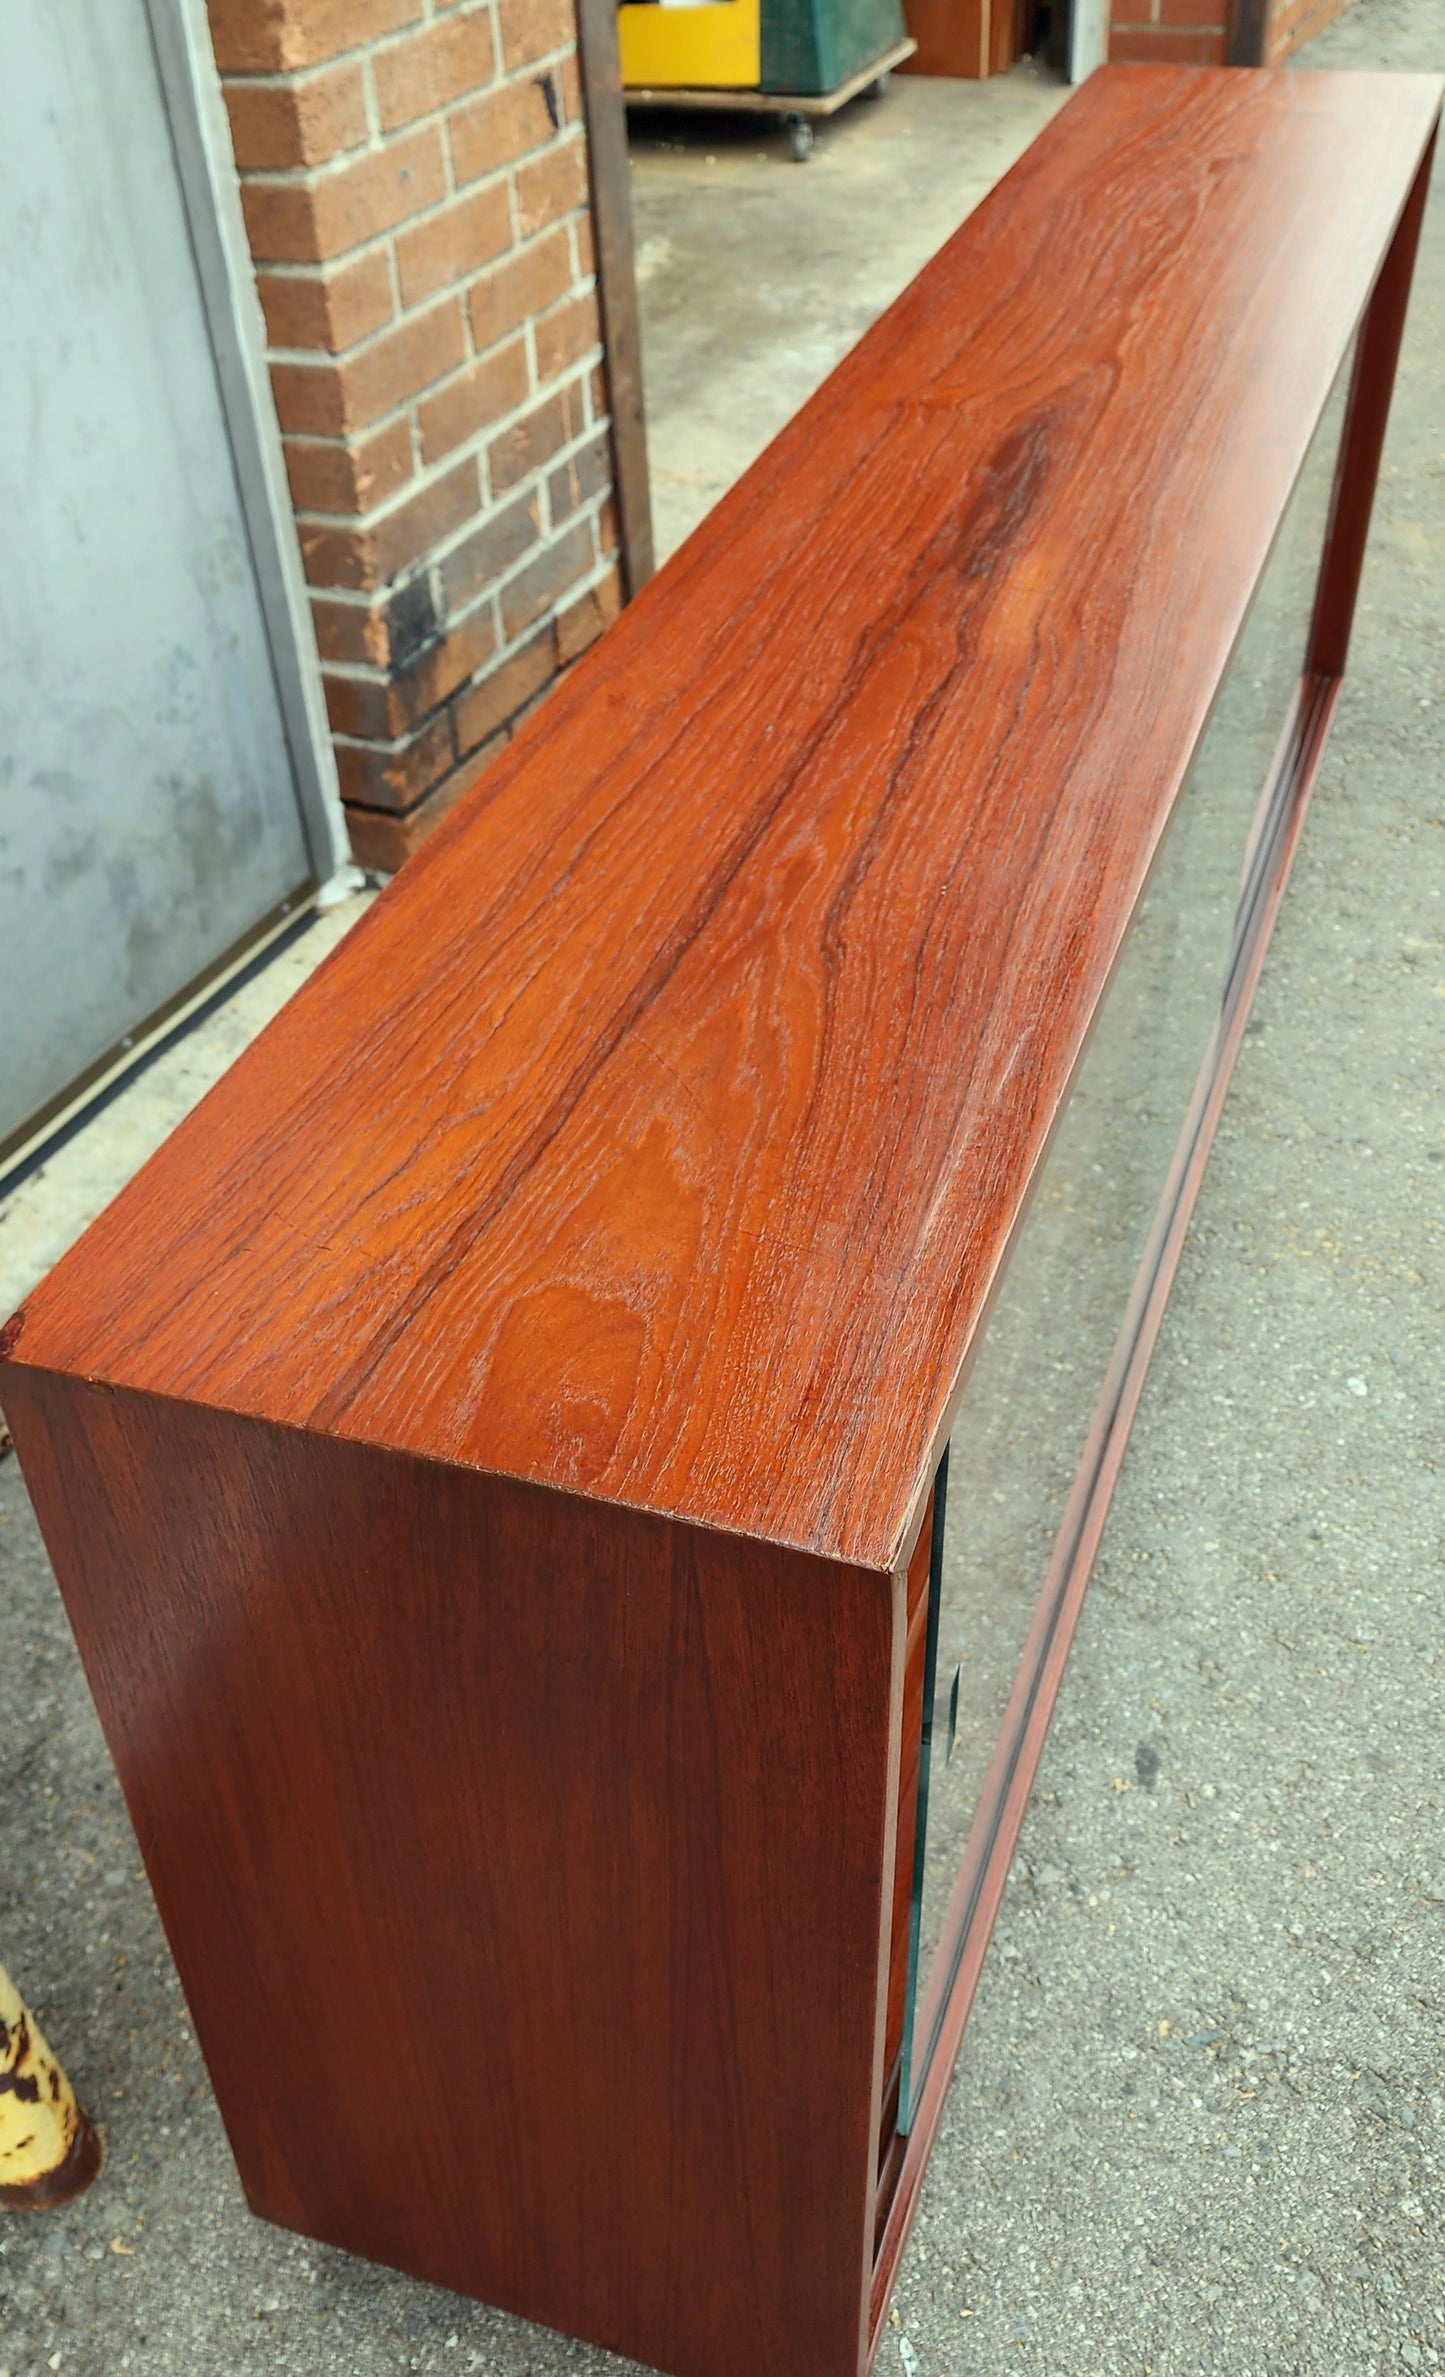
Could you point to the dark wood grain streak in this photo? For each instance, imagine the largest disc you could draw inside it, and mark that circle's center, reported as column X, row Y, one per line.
column 670, row 1113
column 530, row 1885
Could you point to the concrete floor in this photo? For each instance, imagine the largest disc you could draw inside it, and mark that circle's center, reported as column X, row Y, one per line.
column 1199, row 2119
column 756, row 275
column 46, row 1213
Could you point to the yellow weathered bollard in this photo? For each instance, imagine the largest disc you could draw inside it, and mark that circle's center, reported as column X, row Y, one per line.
column 48, row 2150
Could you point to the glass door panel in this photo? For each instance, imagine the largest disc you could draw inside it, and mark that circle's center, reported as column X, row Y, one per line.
column 1029, row 1402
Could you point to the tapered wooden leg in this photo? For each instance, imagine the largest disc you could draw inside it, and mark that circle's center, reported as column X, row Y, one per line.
column 1364, row 437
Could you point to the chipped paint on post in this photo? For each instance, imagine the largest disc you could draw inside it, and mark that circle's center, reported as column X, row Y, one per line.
column 48, row 2150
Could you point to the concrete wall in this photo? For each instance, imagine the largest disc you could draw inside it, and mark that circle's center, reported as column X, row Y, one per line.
column 1291, row 23
column 415, row 186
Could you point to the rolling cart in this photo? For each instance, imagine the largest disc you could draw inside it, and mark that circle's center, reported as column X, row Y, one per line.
column 795, row 59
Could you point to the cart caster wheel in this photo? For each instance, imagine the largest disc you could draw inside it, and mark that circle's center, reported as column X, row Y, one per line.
column 876, row 89
column 800, row 136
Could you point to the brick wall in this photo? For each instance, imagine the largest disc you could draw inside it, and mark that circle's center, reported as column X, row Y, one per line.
column 414, row 181
column 1169, row 32
column 1197, row 32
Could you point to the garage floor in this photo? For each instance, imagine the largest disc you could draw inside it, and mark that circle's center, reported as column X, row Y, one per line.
column 1199, row 2119
column 755, row 275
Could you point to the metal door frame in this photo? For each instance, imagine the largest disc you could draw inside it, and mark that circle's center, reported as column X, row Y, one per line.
column 190, row 90
column 210, row 191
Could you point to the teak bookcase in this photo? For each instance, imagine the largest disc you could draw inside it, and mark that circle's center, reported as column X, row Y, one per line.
column 492, row 1454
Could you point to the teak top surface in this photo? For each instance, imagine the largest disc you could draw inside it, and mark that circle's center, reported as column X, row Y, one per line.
column 658, row 1135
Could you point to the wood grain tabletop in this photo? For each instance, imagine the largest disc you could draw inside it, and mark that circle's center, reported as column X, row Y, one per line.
column 656, row 1137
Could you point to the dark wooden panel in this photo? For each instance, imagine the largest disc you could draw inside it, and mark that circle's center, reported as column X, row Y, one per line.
column 915, row 1635
column 1005, row 35
column 671, row 1111
column 1248, row 28
column 523, row 1862
column 609, row 172
column 1369, row 410
column 953, row 37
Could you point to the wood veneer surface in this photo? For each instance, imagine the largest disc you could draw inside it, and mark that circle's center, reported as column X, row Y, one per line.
column 657, row 1136
column 524, row 1866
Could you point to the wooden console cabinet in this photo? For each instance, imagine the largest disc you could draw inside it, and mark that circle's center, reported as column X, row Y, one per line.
column 492, row 1454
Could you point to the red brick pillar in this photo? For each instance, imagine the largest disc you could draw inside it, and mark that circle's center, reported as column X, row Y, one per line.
column 1169, row 32
column 414, row 181
column 1215, row 32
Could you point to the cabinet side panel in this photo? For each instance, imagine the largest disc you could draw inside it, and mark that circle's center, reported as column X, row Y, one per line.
column 523, row 1861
